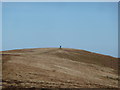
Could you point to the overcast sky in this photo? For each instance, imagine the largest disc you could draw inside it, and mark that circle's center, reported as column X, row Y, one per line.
column 89, row 26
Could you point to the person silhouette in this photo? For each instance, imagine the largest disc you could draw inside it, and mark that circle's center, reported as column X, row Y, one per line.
column 60, row 47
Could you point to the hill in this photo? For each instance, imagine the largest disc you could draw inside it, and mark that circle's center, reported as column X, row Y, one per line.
column 58, row 68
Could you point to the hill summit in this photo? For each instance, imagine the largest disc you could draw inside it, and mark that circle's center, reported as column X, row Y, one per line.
column 58, row 68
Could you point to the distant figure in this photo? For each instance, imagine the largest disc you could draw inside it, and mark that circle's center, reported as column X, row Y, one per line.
column 60, row 47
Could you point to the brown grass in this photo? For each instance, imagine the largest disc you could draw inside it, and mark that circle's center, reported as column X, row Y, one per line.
column 58, row 68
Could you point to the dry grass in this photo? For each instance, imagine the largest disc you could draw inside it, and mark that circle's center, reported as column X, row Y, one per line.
column 58, row 68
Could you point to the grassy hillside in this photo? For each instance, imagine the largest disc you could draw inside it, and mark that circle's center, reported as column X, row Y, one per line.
column 58, row 68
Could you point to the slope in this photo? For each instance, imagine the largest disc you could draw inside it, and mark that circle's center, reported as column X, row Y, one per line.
column 58, row 68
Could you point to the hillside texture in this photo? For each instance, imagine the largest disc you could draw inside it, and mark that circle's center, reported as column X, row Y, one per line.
column 58, row 68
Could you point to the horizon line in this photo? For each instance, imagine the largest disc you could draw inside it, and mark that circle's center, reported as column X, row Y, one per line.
column 62, row 47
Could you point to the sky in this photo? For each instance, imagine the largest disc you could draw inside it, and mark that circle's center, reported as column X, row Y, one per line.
column 91, row 26
column 60, row 0
column 0, row 26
